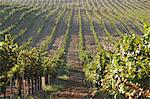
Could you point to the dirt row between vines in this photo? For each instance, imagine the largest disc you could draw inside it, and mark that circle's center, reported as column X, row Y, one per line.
column 75, row 86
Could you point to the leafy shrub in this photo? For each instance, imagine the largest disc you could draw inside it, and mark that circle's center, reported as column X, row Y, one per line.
column 115, row 72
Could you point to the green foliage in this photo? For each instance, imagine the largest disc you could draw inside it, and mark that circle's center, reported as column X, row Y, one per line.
column 17, row 62
column 5, row 31
column 94, row 70
column 128, row 64
column 8, row 54
column 8, row 58
column 53, row 63
column 31, row 63
column 51, row 88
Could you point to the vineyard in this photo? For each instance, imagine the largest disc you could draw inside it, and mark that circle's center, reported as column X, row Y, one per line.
column 82, row 49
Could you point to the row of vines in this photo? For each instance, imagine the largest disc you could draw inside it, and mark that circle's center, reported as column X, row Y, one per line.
column 27, row 65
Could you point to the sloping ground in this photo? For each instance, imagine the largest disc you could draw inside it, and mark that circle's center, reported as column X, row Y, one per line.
column 88, row 35
column 75, row 86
